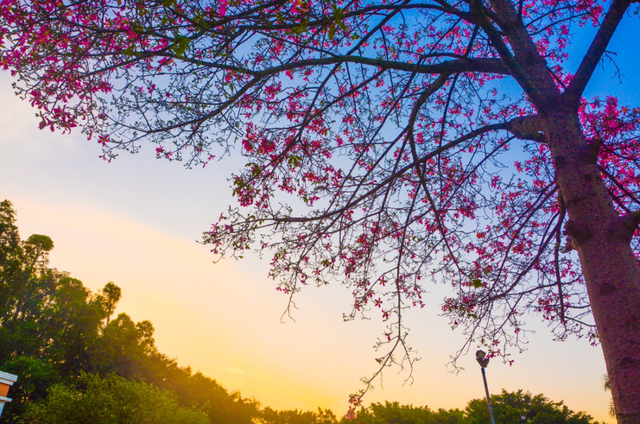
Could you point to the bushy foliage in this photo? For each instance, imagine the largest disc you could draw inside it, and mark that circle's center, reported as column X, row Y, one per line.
column 393, row 412
column 508, row 408
column 523, row 407
column 109, row 400
column 271, row 416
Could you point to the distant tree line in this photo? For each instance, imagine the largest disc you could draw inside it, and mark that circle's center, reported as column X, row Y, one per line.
column 79, row 364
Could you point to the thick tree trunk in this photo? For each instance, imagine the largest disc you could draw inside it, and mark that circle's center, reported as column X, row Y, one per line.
column 611, row 271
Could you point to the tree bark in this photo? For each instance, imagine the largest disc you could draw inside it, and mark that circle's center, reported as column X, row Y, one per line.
column 602, row 238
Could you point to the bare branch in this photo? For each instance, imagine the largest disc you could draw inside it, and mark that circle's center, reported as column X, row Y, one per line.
column 596, row 50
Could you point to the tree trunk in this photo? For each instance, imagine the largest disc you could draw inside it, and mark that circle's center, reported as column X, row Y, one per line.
column 602, row 238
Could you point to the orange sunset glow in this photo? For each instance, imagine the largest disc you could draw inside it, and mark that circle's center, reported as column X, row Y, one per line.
column 136, row 222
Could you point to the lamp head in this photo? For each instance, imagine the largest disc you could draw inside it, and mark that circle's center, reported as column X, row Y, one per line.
column 481, row 357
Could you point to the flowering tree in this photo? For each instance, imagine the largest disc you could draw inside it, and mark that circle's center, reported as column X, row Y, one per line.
column 386, row 145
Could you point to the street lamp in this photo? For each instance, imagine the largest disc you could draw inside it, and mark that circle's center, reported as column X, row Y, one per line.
column 483, row 360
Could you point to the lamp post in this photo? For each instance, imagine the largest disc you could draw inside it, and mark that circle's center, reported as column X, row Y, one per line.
column 482, row 359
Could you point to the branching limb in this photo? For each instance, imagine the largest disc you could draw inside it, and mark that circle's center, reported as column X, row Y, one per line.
column 594, row 54
column 527, row 128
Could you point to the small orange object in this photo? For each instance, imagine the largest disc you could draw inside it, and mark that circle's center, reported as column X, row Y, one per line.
column 6, row 381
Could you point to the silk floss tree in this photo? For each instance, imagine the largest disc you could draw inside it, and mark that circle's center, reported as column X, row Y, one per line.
column 417, row 140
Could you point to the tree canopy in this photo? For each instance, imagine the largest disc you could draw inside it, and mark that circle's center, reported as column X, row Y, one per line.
column 386, row 144
column 520, row 407
column 508, row 407
column 112, row 400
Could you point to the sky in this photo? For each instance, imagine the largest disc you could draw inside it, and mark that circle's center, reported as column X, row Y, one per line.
column 136, row 222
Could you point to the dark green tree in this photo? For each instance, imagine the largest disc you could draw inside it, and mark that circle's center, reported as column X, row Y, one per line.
column 11, row 257
column 72, row 319
column 394, row 413
column 520, row 407
column 124, row 347
column 109, row 298
column 271, row 416
column 110, row 400
column 198, row 390
column 45, row 316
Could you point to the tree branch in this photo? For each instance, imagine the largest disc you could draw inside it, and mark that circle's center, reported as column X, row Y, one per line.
column 490, row 66
column 595, row 52
column 526, row 128
column 401, row 171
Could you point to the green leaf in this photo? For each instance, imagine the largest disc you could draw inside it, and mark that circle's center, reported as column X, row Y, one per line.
column 302, row 28
column 294, row 161
column 332, row 31
column 180, row 45
column 338, row 15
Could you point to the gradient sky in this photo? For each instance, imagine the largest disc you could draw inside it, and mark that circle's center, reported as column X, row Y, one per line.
column 136, row 221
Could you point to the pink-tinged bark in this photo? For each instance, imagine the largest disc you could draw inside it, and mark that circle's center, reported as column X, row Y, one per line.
column 390, row 125
column 602, row 236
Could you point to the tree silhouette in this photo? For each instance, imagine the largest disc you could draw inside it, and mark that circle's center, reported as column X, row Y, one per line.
column 385, row 144
column 394, row 413
column 111, row 400
column 110, row 297
column 519, row 407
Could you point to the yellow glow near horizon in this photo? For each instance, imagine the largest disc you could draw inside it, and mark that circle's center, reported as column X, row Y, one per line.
column 135, row 222
column 94, row 244
column 224, row 320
